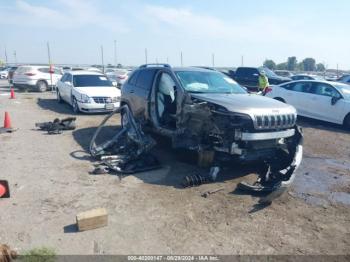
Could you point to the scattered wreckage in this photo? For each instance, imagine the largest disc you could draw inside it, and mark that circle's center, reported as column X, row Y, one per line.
column 218, row 119
column 128, row 151
column 57, row 126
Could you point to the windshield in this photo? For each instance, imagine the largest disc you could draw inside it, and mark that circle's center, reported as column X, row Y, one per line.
column 268, row 72
column 208, row 82
column 91, row 80
column 344, row 90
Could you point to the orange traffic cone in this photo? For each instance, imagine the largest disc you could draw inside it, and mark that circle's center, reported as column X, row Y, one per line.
column 4, row 189
column 12, row 96
column 7, row 121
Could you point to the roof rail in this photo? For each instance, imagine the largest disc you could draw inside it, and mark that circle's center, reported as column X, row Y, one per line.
column 147, row 65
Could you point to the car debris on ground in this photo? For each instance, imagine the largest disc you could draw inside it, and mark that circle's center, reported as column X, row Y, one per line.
column 128, row 151
column 57, row 126
column 208, row 193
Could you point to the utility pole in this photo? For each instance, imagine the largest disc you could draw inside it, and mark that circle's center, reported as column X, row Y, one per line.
column 5, row 55
column 242, row 61
column 146, row 56
column 15, row 56
column 115, row 53
column 50, row 66
column 103, row 65
column 337, row 71
column 181, row 59
column 213, row 59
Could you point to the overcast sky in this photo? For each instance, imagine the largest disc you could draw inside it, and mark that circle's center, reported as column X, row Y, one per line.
column 255, row 29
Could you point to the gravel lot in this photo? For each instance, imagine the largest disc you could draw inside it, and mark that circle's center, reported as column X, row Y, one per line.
column 149, row 213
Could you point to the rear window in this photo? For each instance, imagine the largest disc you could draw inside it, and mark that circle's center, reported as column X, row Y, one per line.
column 44, row 70
column 246, row 71
column 133, row 78
column 145, row 79
column 23, row 69
column 91, row 80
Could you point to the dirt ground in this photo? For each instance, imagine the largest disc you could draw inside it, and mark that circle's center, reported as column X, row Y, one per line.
column 149, row 213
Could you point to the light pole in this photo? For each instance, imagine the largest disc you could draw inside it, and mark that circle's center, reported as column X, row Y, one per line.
column 181, row 59
column 15, row 56
column 146, row 56
column 115, row 53
column 50, row 66
column 103, row 65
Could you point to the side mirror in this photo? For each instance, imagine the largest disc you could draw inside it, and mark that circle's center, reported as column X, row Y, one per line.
column 334, row 100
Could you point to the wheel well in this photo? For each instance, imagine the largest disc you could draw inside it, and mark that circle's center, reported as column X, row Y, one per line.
column 42, row 80
column 279, row 99
column 346, row 117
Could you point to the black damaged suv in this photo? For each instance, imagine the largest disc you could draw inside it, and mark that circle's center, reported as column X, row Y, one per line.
column 201, row 109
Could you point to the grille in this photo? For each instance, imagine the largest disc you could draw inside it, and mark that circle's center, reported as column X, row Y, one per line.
column 274, row 121
column 102, row 99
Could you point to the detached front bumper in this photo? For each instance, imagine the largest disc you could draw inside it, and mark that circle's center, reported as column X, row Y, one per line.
column 277, row 179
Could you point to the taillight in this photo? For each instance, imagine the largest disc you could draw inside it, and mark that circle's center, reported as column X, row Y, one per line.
column 268, row 89
column 30, row 74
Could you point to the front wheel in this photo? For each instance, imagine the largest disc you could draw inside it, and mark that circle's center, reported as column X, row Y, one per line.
column 75, row 106
column 123, row 116
column 58, row 97
column 347, row 122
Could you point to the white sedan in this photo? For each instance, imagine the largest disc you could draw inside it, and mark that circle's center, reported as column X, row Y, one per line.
column 323, row 100
column 88, row 92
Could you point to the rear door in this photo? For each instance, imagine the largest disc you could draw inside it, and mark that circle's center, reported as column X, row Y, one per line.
column 143, row 87
column 296, row 94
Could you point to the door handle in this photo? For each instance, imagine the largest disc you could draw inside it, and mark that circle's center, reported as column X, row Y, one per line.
column 131, row 91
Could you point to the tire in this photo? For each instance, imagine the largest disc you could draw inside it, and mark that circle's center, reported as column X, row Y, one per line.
column 58, row 97
column 347, row 122
column 41, row 86
column 75, row 106
column 280, row 99
column 123, row 119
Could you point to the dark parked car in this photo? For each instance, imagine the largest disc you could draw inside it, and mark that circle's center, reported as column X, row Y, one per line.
column 249, row 77
column 344, row 79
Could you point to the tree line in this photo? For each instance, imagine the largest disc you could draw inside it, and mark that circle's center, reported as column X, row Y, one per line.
column 292, row 64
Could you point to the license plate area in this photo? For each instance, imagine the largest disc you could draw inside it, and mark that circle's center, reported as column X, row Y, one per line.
column 109, row 106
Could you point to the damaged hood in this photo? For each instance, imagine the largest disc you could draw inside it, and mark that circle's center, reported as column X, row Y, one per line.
column 247, row 103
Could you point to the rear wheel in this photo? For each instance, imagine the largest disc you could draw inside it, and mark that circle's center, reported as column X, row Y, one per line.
column 347, row 121
column 42, row 86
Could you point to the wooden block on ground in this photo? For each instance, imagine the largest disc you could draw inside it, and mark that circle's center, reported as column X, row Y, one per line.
column 92, row 219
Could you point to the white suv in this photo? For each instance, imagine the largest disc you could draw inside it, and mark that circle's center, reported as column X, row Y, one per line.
column 36, row 77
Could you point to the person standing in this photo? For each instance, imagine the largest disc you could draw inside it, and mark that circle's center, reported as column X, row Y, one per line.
column 263, row 81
